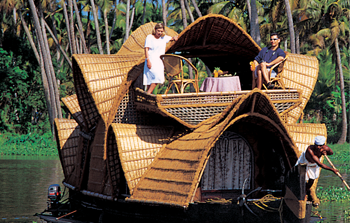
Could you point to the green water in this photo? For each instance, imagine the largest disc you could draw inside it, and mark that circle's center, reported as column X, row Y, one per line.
column 24, row 182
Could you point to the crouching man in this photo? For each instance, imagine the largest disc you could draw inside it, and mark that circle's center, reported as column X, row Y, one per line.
column 311, row 156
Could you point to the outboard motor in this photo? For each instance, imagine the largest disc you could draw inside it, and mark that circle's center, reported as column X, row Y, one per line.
column 53, row 196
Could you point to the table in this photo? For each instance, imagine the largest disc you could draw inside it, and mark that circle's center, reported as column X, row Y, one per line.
column 221, row 84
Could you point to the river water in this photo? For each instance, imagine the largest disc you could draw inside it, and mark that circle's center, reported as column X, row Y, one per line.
column 24, row 182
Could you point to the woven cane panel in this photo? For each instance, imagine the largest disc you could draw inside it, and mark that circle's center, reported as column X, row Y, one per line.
column 281, row 107
column 128, row 114
column 304, row 134
column 102, row 76
column 67, row 131
column 86, row 103
column 136, row 41
column 217, row 33
column 137, row 146
column 300, row 72
column 195, row 115
column 72, row 104
column 195, row 108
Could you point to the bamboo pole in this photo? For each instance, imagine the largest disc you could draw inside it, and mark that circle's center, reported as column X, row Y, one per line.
column 66, row 214
column 347, row 186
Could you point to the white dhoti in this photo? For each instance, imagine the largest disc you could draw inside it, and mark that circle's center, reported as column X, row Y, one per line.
column 312, row 169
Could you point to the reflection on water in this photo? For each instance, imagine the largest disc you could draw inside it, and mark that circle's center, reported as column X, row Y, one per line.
column 23, row 186
column 24, row 182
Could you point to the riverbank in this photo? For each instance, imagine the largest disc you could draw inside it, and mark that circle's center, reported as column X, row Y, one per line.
column 31, row 144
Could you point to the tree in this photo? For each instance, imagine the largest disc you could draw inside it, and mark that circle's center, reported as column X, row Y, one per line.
column 97, row 27
column 254, row 22
column 290, row 25
column 106, row 5
column 330, row 34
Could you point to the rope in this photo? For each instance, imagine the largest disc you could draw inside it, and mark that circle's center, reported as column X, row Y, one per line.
column 269, row 198
column 265, row 199
column 219, row 200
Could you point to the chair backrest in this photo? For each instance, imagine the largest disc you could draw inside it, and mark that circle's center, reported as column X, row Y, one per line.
column 173, row 65
column 281, row 64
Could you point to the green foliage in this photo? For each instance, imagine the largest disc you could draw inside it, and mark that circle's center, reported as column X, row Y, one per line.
column 22, row 101
column 333, row 194
column 324, row 105
column 341, row 157
column 31, row 144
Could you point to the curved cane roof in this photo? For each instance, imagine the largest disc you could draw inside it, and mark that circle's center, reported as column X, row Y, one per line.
column 173, row 176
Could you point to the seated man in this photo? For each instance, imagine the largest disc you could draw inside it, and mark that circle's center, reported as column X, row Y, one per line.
column 266, row 58
column 311, row 156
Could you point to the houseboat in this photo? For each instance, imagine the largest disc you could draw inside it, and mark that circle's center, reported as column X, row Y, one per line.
column 222, row 156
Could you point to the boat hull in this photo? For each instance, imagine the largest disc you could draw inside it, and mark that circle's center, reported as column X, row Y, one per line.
column 216, row 211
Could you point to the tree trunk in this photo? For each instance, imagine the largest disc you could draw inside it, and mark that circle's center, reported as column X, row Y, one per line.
column 49, row 61
column 114, row 19
column 65, row 13
column 97, row 27
column 189, row 11
column 297, row 40
column 183, row 11
column 130, row 23
column 144, row 12
column 127, row 17
column 80, row 27
column 31, row 41
column 196, row 8
column 286, row 45
column 290, row 26
column 58, row 45
column 71, row 26
column 164, row 12
column 45, row 67
column 342, row 139
column 106, row 30
column 88, row 32
column 249, row 8
column 254, row 23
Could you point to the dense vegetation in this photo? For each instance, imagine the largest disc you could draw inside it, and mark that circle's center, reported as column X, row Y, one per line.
column 38, row 38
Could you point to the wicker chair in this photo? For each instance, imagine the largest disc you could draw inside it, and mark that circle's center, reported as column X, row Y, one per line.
column 277, row 82
column 173, row 67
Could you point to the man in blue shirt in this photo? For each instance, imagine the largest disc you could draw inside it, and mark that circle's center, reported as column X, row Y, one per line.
column 266, row 58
